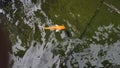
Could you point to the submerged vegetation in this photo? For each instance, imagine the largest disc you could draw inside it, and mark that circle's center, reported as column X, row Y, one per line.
column 91, row 37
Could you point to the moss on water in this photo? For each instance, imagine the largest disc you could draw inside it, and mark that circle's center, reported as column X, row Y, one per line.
column 77, row 12
column 20, row 53
column 34, row 1
column 104, row 18
column 40, row 15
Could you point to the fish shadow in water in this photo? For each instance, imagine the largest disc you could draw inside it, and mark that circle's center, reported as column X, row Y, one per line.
column 67, row 33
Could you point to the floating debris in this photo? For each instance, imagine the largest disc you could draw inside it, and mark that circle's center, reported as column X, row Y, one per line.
column 113, row 8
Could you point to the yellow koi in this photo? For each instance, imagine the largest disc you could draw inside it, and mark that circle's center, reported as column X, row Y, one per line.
column 56, row 27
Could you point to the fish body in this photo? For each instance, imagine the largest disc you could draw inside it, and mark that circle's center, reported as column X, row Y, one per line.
column 56, row 27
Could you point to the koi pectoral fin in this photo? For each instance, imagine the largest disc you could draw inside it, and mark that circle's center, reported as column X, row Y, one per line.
column 57, row 30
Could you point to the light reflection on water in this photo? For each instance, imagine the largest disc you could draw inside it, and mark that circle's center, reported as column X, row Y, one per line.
column 92, row 55
column 48, row 52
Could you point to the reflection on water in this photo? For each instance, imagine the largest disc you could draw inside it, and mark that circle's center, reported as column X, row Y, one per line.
column 98, row 56
column 33, row 47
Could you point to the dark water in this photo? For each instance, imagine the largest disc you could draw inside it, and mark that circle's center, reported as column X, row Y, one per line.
column 90, row 40
column 4, row 44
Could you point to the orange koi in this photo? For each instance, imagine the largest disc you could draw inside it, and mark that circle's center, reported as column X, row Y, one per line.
column 56, row 28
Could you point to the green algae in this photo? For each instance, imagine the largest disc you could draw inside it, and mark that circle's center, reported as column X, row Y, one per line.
column 77, row 12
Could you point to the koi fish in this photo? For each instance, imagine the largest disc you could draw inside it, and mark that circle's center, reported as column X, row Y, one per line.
column 56, row 28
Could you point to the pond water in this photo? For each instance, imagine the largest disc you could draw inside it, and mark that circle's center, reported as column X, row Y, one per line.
column 34, row 47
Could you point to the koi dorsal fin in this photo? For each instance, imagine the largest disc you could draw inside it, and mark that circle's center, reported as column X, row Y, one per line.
column 56, row 25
